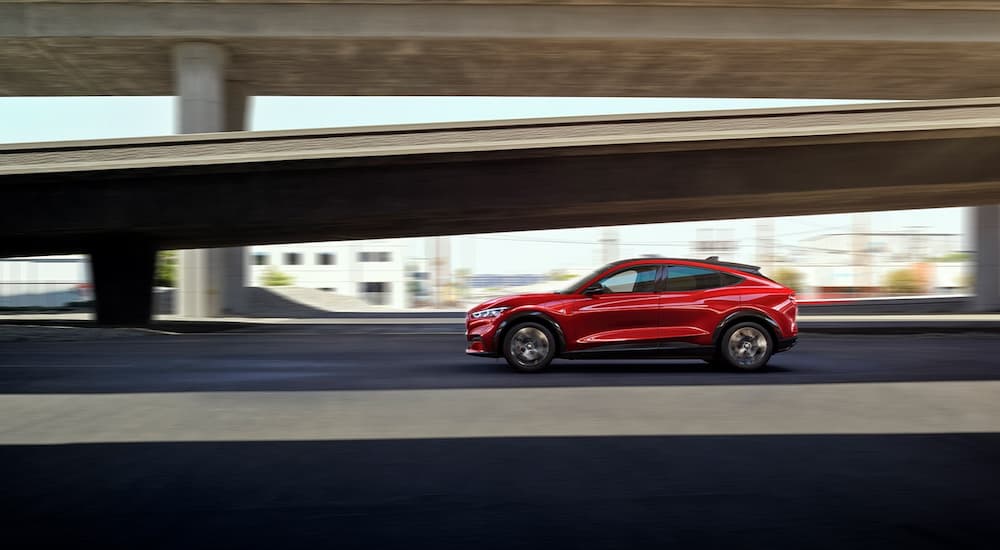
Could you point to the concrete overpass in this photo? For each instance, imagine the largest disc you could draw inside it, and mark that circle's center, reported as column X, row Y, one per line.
column 120, row 200
column 874, row 49
column 214, row 54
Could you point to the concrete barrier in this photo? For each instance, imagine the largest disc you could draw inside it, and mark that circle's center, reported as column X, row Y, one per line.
column 916, row 304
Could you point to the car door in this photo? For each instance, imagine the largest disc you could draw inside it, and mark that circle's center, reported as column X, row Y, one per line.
column 626, row 314
column 693, row 303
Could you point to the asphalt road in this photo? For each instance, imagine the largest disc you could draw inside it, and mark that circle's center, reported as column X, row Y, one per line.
column 425, row 357
column 346, row 438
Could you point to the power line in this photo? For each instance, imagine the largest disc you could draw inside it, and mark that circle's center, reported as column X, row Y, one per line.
column 588, row 243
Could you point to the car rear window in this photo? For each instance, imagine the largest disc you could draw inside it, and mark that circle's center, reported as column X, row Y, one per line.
column 682, row 277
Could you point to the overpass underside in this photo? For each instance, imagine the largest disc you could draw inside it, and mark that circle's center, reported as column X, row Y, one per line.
column 250, row 188
column 121, row 200
column 315, row 200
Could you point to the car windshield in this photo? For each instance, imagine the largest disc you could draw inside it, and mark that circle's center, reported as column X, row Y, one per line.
column 577, row 285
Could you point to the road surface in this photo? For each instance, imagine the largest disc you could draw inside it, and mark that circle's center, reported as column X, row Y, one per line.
column 374, row 437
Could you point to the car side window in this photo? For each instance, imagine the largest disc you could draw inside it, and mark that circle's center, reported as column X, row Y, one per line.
column 633, row 279
column 682, row 277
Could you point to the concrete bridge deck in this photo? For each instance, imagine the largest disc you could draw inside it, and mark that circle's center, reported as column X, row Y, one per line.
column 256, row 187
column 908, row 49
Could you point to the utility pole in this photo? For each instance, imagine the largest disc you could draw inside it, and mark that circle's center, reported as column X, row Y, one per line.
column 860, row 260
column 765, row 243
column 609, row 245
column 441, row 269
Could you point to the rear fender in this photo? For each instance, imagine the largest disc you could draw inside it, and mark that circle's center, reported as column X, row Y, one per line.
column 747, row 314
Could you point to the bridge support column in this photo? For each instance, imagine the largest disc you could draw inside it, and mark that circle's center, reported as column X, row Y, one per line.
column 122, row 270
column 210, row 281
column 987, row 229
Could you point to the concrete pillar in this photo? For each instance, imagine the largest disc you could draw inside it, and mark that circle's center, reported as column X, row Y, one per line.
column 122, row 269
column 986, row 225
column 200, row 82
column 211, row 281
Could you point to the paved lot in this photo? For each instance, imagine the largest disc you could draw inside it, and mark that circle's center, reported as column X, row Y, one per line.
column 351, row 437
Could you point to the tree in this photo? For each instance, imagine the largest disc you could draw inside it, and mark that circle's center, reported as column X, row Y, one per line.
column 559, row 275
column 413, row 287
column 166, row 268
column 792, row 278
column 952, row 257
column 273, row 277
column 903, row 281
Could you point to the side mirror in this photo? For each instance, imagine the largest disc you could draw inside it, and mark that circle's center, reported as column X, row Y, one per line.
column 593, row 289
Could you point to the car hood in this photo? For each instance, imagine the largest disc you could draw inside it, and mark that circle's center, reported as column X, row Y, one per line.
column 517, row 300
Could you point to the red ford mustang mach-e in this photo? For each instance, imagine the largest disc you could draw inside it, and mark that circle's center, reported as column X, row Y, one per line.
column 721, row 312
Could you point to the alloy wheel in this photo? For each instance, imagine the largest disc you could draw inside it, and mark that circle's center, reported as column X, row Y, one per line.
column 747, row 346
column 530, row 346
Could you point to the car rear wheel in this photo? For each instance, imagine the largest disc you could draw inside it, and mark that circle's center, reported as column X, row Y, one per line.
column 529, row 347
column 746, row 346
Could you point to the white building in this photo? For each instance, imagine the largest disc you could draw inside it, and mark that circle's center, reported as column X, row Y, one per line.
column 44, row 281
column 374, row 271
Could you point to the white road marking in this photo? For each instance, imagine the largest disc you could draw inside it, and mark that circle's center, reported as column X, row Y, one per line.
column 865, row 408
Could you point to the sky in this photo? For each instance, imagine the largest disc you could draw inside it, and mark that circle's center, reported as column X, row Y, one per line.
column 55, row 119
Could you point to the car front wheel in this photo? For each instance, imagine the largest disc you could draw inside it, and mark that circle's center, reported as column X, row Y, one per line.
column 746, row 346
column 529, row 347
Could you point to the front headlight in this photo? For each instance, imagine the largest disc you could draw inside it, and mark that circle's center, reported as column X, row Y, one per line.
column 487, row 313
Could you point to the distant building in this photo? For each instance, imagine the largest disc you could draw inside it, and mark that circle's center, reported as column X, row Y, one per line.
column 374, row 271
column 371, row 270
column 715, row 242
column 503, row 281
column 859, row 263
column 44, row 281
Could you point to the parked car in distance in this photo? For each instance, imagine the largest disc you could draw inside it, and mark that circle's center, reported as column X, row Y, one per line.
column 724, row 313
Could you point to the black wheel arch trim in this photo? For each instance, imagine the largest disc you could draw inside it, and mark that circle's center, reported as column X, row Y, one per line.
column 526, row 316
column 760, row 316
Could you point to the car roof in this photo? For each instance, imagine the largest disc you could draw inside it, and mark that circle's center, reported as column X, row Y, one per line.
column 710, row 261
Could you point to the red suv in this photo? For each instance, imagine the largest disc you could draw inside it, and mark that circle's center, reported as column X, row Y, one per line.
column 721, row 312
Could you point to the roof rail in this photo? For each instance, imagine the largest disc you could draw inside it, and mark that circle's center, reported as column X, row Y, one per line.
column 746, row 268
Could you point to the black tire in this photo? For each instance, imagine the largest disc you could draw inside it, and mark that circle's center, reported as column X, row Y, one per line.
column 746, row 346
column 529, row 347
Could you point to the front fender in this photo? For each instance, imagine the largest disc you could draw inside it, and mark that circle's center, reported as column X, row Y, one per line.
column 534, row 316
